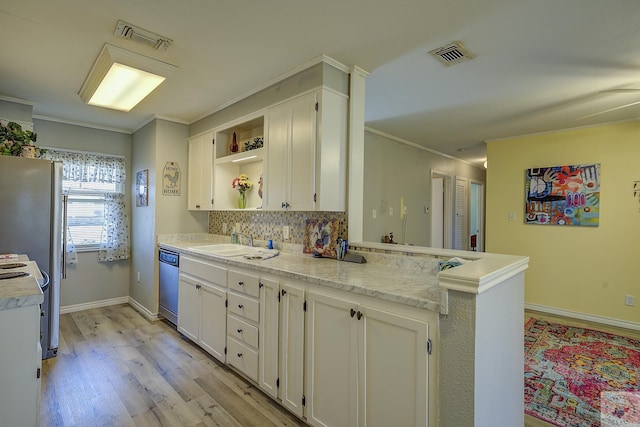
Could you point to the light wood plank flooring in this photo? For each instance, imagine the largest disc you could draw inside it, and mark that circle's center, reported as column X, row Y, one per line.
column 115, row 368
column 530, row 421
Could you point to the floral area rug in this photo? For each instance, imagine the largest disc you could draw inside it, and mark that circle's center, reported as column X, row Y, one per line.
column 578, row 377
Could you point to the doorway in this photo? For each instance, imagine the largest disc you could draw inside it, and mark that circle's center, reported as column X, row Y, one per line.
column 476, row 216
column 440, row 201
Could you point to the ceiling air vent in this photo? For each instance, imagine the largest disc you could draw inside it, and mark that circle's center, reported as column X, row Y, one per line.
column 140, row 35
column 452, row 53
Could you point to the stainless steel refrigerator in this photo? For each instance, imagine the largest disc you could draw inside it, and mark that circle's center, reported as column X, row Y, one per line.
column 31, row 223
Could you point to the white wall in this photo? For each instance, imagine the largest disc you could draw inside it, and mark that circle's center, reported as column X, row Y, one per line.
column 396, row 170
column 154, row 145
column 89, row 281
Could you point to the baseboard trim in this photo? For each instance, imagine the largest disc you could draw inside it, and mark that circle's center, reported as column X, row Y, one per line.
column 93, row 304
column 584, row 316
column 152, row 317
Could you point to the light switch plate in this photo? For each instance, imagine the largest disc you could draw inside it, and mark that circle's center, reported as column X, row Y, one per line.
column 285, row 232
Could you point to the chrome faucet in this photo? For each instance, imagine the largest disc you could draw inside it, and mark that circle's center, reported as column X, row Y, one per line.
column 237, row 238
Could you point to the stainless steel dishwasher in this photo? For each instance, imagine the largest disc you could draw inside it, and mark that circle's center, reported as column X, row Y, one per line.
column 168, row 277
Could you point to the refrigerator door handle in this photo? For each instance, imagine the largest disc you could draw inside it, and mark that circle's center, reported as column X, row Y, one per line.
column 64, row 236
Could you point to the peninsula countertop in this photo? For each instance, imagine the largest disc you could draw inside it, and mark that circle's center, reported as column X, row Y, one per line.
column 21, row 291
column 392, row 281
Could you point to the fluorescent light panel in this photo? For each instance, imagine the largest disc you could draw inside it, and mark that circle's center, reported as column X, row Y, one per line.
column 120, row 79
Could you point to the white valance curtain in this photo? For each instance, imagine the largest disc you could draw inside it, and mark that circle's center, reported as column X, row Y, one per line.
column 80, row 167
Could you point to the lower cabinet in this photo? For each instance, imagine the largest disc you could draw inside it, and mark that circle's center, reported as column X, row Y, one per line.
column 202, row 312
column 243, row 315
column 291, row 358
column 20, row 376
column 365, row 366
column 328, row 356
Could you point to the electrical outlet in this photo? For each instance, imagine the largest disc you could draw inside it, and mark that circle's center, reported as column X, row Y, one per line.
column 138, row 278
column 237, row 227
column 374, row 215
column 224, row 228
column 630, row 300
column 390, row 211
column 285, row 232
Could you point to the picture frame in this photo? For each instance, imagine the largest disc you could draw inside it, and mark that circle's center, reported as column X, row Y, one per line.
column 142, row 188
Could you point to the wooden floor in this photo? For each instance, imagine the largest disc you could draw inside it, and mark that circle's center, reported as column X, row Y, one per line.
column 535, row 422
column 115, row 368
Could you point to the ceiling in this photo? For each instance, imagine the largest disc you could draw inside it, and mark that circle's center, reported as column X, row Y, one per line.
column 539, row 65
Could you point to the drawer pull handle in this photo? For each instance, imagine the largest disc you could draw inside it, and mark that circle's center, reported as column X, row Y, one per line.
column 239, row 354
column 239, row 331
column 240, row 305
column 241, row 283
column 352, row 312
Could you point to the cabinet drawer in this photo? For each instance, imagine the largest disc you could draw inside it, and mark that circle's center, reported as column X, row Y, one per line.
column 243, row 358
column 244, row 283
column 203, row 270
column 244, row 306
column 242, row 331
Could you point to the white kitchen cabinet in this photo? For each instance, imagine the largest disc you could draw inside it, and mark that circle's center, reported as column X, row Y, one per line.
column 307, row 151
column 392, row 369
column 21, row 357
column 291, row 365
column 269, row 334
column 202, row 313
column 243, row 311
column 200, row 180
column 331, row 362
column 365, row 366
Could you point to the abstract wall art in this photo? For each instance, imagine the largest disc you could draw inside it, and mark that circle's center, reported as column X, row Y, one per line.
column 563, row 195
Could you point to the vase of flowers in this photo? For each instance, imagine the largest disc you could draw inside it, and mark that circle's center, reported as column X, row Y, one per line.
column 242, row 184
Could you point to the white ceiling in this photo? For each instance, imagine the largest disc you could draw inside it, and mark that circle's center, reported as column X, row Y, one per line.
column 540, row 65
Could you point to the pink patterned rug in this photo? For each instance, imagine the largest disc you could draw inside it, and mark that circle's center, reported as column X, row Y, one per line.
column 578, row 377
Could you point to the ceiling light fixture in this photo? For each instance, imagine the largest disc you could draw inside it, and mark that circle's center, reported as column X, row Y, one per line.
column 120, row 79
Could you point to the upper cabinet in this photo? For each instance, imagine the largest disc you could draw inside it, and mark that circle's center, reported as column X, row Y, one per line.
column 307, row 153
column 200, row 182
column 293, row 153
column 239, row 149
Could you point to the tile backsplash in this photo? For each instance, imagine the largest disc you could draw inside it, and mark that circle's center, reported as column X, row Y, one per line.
column 265, row 225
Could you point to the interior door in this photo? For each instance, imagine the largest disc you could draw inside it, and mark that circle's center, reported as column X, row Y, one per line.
column 437, row 212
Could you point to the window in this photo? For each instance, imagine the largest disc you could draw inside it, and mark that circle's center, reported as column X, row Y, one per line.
column 96, row 212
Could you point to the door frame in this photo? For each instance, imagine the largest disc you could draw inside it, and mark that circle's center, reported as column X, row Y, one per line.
column 481, row 212
column 446, row 214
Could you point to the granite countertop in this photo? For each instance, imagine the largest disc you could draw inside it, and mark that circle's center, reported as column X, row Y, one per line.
column 396, row 283
column 22, row 291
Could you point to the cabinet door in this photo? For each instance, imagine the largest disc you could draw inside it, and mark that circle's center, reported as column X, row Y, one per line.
column 277, row 177
column 291, row 146
column 392, row 369
column 331, row 362
column 292, row 347
column 188, row 309
column 200, row 180
column 268, row 336
column 302, row 166
column 213, row 325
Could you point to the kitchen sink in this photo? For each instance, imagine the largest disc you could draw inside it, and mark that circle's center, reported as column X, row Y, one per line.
column 229, row 250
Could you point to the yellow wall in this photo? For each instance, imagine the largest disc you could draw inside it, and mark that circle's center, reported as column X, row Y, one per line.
column 581, row 269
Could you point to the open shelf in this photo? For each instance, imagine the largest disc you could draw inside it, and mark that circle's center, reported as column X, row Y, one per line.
column 244, row 157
